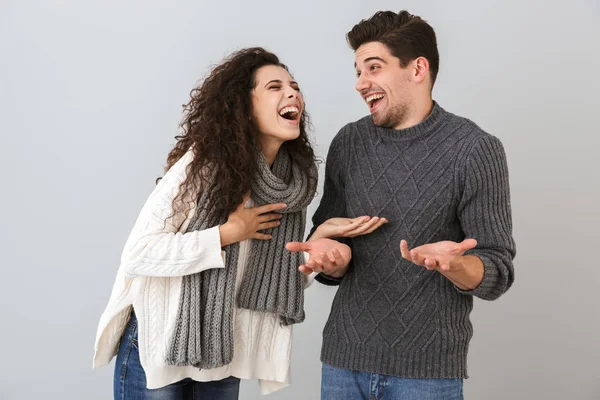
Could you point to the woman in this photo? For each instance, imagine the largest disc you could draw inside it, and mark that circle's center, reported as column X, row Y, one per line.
column 197, row 305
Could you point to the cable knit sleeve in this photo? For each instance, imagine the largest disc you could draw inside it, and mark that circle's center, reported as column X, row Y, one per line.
column 485, row 215
column 333, row 202
column 157, row 247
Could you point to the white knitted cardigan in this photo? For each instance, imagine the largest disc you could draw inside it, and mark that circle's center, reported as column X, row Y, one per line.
column 156, row 255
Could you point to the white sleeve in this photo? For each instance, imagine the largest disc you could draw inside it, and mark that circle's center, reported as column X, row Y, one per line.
column 156, row 247
column 308, row 279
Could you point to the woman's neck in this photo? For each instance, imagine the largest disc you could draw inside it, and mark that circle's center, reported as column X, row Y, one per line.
column 270, row 150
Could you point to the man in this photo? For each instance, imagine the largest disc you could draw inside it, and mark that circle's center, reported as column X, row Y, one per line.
column 399, row 325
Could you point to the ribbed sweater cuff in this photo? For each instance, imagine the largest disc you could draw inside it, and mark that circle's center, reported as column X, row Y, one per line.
column 328, row 280
column 488, row 288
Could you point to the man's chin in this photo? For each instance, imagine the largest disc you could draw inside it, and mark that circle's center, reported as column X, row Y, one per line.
column 380, row 121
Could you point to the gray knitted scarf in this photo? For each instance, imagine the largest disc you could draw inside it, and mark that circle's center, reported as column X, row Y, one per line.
column 203, row 335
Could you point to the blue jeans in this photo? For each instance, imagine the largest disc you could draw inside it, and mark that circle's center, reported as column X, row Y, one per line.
column 130, row 379
column 344, row 384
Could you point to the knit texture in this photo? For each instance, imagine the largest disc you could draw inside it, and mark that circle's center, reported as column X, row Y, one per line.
column 203, row 335
column 443, row 179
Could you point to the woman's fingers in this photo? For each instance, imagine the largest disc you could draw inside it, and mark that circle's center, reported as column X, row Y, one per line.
column 356, row 222
column 268, row 225
column 269, row 217
column 267, row 208
column 376, row 226
column 365, row 228
column 261, row 236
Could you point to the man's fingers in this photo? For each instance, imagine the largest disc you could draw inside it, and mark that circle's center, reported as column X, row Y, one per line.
column 404, row 250
column 329, row 262
column 331, row 256
column 321, row 259
column 337, row 257
column 305, row 270
column 467, row 244
column 429, row 263
column 298, row 246
column 416, row 257
column 313, row 265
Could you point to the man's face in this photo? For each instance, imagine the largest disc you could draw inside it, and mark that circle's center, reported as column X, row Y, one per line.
column 385, row 86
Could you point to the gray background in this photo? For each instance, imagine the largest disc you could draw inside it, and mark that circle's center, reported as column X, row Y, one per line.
column 90, row 95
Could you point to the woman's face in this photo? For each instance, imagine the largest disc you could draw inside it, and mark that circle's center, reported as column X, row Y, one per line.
column 277, row 105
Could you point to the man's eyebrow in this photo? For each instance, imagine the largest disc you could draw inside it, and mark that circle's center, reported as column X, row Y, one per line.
column 372, row 59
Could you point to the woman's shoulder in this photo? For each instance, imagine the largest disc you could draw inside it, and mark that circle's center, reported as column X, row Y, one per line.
column 179, row 170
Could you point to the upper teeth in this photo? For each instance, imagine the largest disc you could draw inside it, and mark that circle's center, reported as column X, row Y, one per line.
column 375, row 97
column 288, row 110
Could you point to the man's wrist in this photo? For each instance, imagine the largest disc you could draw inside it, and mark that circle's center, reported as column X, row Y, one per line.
column 338, row 274
column 466, row 272
column 458, row 264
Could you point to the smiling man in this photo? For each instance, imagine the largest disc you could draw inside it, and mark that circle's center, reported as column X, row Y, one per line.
column 399, row 327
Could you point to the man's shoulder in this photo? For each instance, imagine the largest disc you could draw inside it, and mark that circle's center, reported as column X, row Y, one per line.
column 470, row 131
column 474, row 139
column 360, row 125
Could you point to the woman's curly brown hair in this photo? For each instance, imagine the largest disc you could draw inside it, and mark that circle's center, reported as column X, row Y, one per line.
column 218, row 127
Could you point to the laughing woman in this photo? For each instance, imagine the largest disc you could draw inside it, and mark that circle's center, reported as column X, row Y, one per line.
column 206, row 293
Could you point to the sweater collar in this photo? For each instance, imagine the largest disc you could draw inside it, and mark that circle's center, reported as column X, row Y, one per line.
column 419, row 130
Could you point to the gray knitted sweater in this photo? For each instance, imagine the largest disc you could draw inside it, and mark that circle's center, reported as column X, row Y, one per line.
column 443, row 179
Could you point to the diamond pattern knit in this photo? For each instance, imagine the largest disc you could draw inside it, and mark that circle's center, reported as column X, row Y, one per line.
column 443, row 179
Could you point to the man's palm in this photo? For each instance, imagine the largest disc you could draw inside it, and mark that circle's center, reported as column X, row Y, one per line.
column 436, row 255
column 326, row 255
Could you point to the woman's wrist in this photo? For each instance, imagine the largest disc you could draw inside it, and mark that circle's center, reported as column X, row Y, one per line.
column 317, row 234
column 225, row 235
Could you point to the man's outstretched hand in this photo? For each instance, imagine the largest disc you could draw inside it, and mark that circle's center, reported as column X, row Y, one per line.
column 439, row 255
column 327, row 256
column 446, row 257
